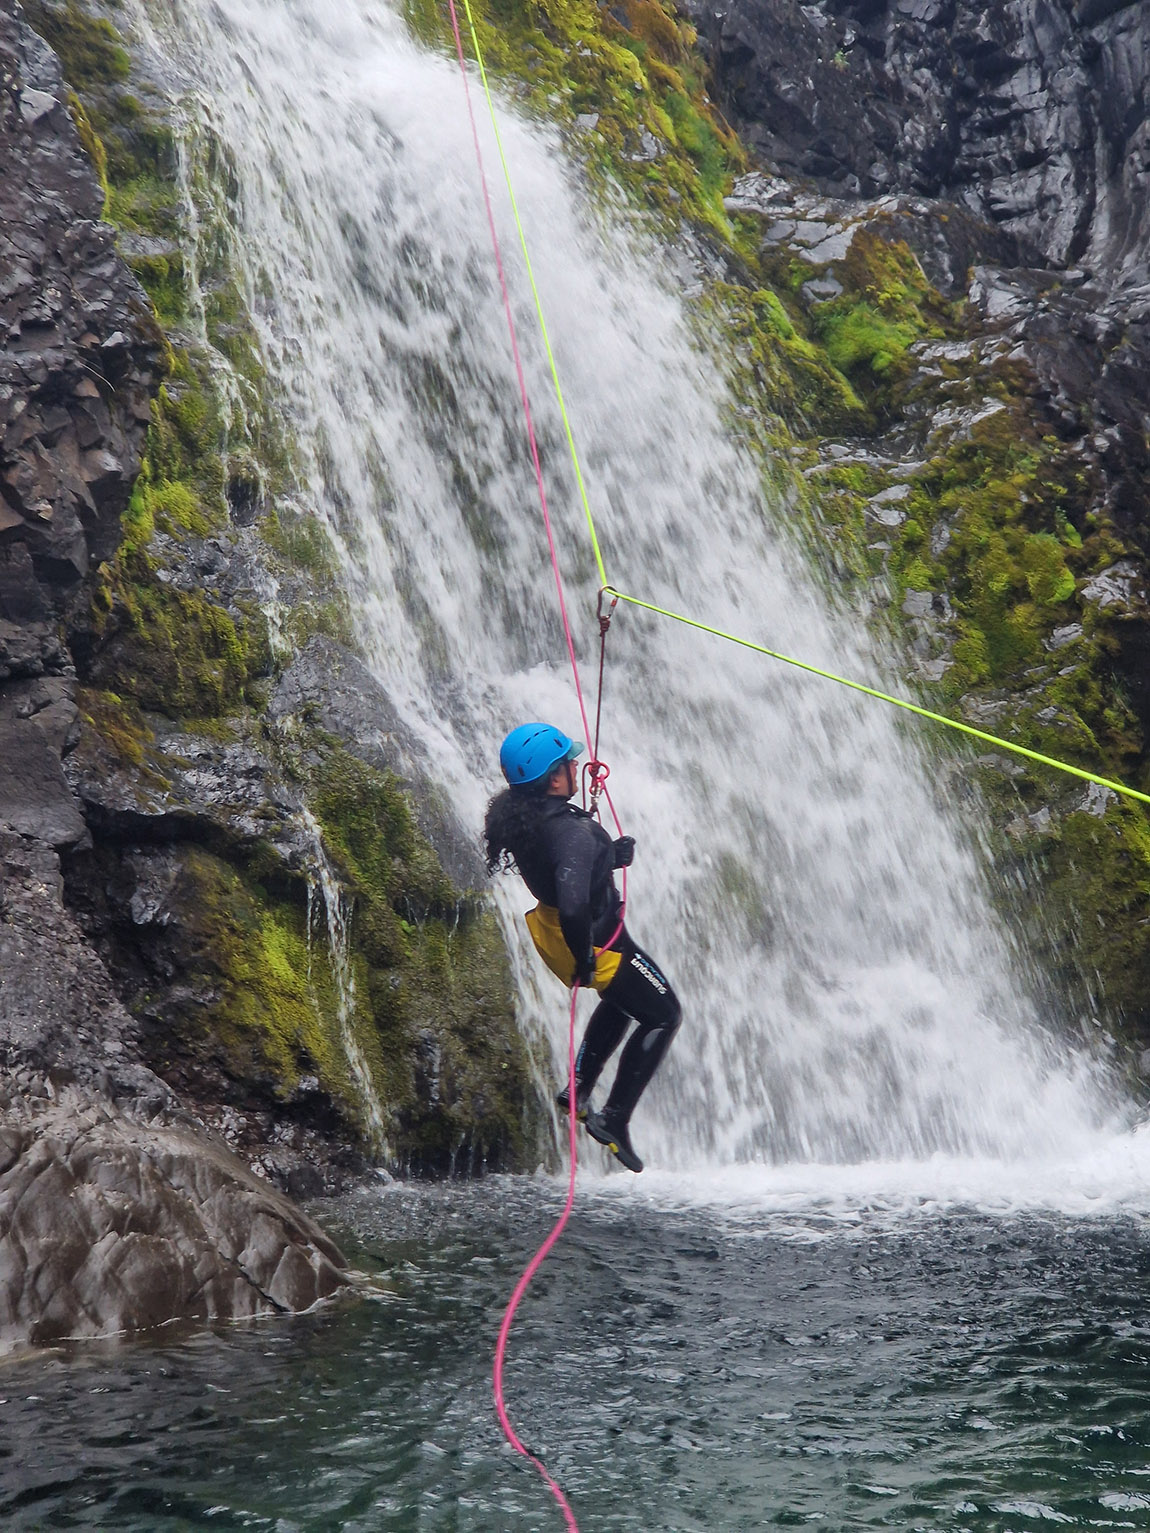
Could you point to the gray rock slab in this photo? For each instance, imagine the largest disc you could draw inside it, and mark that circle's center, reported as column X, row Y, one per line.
column 59, row 1012
column 37, row 723
column 109, row 1225
column 1121, row 587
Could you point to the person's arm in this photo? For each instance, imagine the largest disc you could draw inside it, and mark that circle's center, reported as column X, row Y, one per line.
column 574, row 861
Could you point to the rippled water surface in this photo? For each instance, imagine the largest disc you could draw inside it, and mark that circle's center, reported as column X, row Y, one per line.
column 678, row 1365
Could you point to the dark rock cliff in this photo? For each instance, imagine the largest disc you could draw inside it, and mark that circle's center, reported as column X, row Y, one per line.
column 1032, row 115
column 77, row 372
column 111, row 1217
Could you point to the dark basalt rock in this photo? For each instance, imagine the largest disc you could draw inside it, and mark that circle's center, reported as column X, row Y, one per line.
column 79, row 364
column 1007, row 145
column 1031, row 114
column 59, row 1014
column 38, row 723
column 116, row 1212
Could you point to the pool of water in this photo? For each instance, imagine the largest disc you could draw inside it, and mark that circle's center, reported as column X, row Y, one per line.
column 679, row 1365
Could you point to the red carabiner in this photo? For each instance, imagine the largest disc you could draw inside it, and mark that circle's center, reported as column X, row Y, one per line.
column 595, row 775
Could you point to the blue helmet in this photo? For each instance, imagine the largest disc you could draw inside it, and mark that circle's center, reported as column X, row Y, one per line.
column 532, row 750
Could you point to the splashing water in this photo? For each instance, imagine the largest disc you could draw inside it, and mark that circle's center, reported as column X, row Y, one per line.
column 847, row 994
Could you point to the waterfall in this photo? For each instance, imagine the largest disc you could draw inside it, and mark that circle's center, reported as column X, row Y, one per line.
column 325, row 891
column 847, row 993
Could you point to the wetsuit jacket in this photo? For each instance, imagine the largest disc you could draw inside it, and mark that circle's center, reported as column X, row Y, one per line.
column 567, row 862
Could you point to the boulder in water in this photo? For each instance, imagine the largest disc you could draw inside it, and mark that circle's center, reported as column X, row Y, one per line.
column 109, row 1224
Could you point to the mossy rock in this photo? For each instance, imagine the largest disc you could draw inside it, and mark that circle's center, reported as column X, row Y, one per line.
column 636, row 67
column 90, row 49
column 887, row 304
column 169, row 650
column 260, row 991
column 1096, row 874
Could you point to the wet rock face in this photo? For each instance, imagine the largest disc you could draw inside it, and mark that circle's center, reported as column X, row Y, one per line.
column 115, row 1215
column 1007, row 145
column 117, row 1212
column 60, row 1018
column 1031, row 113
column 332, row 687
column 78, row 361
column 111, row 1225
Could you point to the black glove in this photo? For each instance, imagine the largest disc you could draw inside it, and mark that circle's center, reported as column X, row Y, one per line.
column 585, row 972
column 624, row 851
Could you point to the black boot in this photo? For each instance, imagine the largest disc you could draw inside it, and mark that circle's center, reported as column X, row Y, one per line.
column 613, row 1132
column 582, row 1099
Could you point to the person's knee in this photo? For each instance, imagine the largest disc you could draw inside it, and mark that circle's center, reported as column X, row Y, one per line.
column 674, row 1015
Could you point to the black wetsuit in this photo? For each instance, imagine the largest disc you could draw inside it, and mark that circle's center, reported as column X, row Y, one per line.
column 567, row 860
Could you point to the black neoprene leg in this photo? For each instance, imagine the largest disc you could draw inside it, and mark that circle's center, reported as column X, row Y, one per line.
column 640, row 990
column 605, row 1029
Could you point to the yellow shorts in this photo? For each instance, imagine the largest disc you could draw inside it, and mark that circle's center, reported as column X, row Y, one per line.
column 547, row 935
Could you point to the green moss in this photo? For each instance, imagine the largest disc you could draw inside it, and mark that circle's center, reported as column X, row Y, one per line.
column 1006, row 568
column 163, row 279
column 1049, row 581
column 454, row 1002
column 432, row 970
column 91, row 141
column 369, row 828
column 139, row 524
column 332, row 619
column 774, row 371
column 918, row 576
column 861, row 337
column 119, row 724
column 173, row 505
column 634, row 66
column 169, row 650
column 272, row 994
column 143, row 203
column 886, row 305
column 694, row 133
column 301, row 539
column 1097, row 876
column 90, row 49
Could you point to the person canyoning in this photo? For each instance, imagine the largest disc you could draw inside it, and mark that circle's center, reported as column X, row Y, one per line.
column 568, row 862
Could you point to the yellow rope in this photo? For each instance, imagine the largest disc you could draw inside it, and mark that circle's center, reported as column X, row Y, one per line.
column 678, row 617
column 886, row 697
column 535, row 294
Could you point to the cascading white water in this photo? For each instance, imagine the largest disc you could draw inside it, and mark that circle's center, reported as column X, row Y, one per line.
column 324, row 890
column 847, row 995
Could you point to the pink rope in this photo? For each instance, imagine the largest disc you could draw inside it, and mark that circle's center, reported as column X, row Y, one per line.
column 519, row 370
column 531, row 1269
column 541, row 1255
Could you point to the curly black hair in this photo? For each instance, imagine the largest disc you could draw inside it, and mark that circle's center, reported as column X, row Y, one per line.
column 510, row 820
